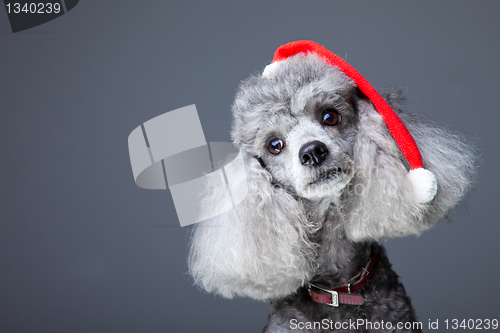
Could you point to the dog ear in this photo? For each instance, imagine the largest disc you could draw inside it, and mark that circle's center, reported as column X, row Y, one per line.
column 381, row 202
column 259, row 248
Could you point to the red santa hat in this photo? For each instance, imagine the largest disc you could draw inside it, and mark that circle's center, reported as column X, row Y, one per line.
column 423, row 180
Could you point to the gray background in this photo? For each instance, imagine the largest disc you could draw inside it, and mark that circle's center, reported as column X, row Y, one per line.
column 83, row 249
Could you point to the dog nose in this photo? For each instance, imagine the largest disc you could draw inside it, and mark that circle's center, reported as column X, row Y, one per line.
column 313, row 153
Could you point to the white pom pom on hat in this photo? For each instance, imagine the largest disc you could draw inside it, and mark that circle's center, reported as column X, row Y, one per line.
column 424, row 181
column 424, row 184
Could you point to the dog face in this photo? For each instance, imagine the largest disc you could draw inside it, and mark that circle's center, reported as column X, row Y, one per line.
column 306, row 120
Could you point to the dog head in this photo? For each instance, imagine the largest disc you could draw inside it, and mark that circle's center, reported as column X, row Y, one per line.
column 317, row 152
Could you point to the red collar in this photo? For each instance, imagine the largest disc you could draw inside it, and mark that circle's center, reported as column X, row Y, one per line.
column 342, row 293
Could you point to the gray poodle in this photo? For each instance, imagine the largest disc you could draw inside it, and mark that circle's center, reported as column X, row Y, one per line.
column 328, row 176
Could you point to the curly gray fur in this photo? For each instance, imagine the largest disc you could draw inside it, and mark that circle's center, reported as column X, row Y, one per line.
column 300, row 224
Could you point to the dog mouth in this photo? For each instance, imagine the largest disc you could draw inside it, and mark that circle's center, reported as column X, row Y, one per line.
column 325, row 176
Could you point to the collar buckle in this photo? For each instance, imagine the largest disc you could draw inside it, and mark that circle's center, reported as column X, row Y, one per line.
column 333, row 293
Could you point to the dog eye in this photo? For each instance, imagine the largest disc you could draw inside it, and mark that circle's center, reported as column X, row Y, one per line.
column 330, row 117
column 275, row 146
